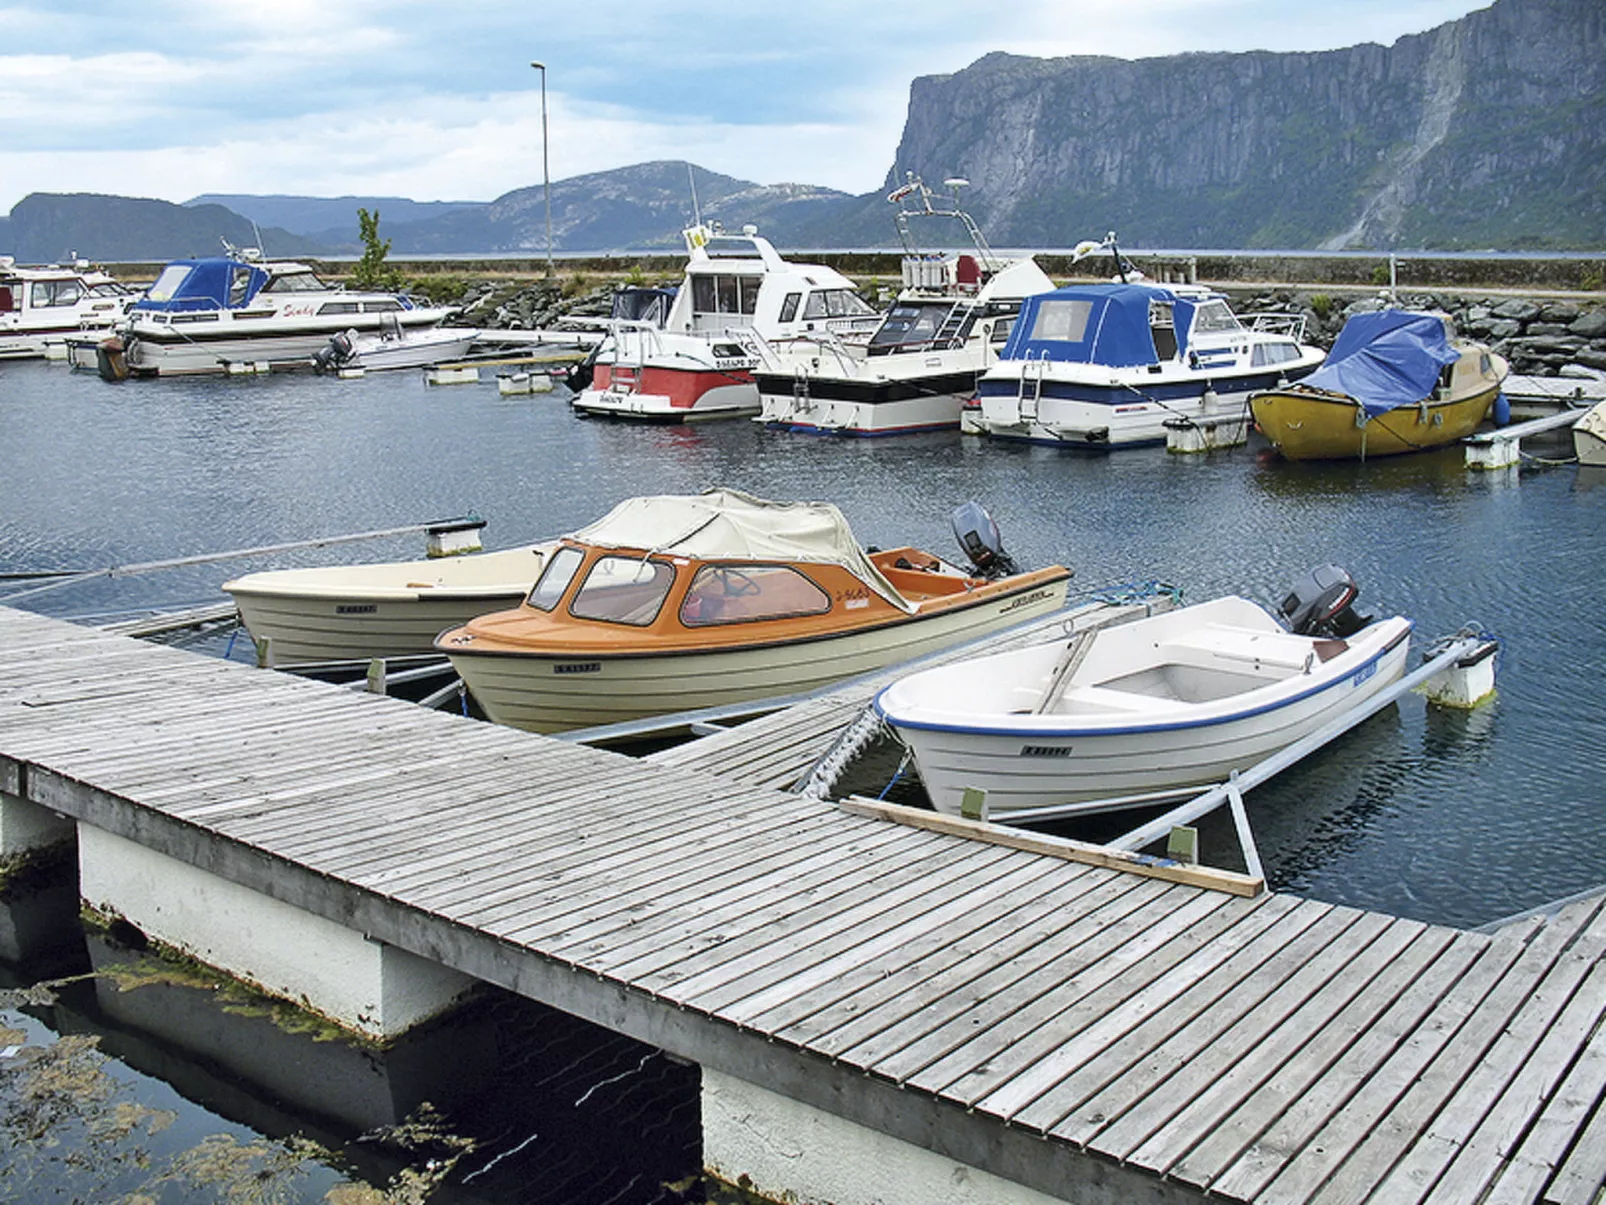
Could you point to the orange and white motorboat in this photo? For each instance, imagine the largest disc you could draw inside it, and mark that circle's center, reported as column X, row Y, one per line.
column 675, row 603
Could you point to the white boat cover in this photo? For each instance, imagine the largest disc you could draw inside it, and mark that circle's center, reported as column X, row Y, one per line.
column 729, row 525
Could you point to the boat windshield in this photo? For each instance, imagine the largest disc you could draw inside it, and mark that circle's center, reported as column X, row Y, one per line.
column 623, row 589
column 560, row 571
column 909, row 323
column 742, row 593
column 1063, row 321
column 166, row 286
column 295, row 282
column 1213, row 317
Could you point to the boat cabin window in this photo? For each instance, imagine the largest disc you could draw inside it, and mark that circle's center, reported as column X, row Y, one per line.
column 239, row 285
column 168, row 282
column 623, row 589
column 1062, row 321
column 730, row 246
column 725, row 294
column 338, row 307
column 789, row 306
column 1163, row 330
column 555, row 578
column 54, row 292
column 835, row 303
column 388, row 305
column 1214, row 317
column 295, row 282
column 1278, row 351
column 7, row 301
column 744, row 593
column 910, row 323
column 1001, row 329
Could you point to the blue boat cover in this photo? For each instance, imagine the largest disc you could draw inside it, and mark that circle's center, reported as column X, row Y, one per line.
column 1096, row 324
column 207, row 285
column 1386, row 359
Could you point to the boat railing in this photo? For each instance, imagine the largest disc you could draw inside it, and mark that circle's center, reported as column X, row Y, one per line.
column 1279, row 323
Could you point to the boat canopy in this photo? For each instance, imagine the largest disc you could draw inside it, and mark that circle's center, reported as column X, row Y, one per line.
column 729, row 525
column 1386, row 359
column 1106, row 324
column 216, row 282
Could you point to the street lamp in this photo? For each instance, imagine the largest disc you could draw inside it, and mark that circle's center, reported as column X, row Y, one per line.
column 546, row 175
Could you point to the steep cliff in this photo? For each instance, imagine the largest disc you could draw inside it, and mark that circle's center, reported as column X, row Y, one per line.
column 1487, row 131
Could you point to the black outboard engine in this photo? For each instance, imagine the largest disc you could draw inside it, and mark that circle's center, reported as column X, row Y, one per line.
column 578, row 375
column 978, row 536
column 1319, row 604
column 334, row 354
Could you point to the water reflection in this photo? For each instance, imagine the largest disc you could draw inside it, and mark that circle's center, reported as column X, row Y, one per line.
column 164, row 1079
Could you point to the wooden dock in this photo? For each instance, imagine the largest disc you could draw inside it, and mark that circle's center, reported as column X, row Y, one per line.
column 1094, row 1035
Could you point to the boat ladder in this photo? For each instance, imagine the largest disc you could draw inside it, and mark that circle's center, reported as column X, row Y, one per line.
column 1030, row 390
column 948, row 334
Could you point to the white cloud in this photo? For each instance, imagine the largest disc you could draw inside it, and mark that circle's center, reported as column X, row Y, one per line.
column 435, row 102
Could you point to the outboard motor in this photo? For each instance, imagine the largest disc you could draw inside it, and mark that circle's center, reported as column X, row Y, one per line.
column 1319, row 604
column 334, row 354
column 578, row 375
column 978, row 536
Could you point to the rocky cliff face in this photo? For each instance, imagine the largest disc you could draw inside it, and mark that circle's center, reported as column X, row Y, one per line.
column 1487, row 131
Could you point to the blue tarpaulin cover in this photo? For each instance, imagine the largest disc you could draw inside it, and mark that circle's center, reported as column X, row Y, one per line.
column 1095, row 324
column 214, row 282
column 1386, row 359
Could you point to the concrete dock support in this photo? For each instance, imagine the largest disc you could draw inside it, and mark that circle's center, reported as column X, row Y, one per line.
column 787, row 1151
column 26, row 827
column 361, row 984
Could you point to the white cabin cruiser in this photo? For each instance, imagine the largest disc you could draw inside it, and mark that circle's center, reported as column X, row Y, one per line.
column 42, row 307
column 1105, row 365
column 202, row 315
column 922, row 363
column 698, row 364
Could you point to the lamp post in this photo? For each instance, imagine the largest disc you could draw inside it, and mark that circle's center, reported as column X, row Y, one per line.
column 546, row 175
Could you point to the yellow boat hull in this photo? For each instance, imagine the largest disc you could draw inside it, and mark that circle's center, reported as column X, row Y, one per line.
column 1312, row 424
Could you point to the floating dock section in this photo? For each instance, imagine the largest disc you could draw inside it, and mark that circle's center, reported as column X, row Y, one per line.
column 881, row 1012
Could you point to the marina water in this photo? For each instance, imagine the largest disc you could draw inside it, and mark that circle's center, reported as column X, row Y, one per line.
column 1447, row 817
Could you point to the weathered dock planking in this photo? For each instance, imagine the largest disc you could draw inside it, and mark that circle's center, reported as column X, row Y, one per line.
column 1092, row 1034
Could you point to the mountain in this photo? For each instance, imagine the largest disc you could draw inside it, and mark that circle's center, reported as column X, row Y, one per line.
column 639, row 207
column 48, row 227
column 328, row 219
column 1488, row 131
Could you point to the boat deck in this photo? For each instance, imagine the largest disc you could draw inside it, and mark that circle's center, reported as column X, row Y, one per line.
column 1099, row 1035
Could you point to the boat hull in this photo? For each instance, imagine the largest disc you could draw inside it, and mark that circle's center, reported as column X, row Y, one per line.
column 543, row 693
column 891, row 405
column 154, row 351
column 1589, row 437
column 357, row 612
column 669, row 395
column 1113, row 742
column 1319, row 426
column 1066, row 411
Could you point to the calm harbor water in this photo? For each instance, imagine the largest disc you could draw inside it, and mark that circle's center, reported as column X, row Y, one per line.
column 1446, row 817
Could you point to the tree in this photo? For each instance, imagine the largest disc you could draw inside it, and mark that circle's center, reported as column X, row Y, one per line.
column 371, row 272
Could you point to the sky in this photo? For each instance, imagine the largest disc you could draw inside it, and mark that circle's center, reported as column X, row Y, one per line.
column 433, row 101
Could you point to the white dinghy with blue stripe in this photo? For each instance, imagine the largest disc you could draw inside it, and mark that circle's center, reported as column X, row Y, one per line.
column 1106, row 365
column 1179, row 699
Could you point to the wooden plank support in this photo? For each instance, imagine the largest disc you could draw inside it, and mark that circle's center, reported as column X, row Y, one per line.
column 1228, row 881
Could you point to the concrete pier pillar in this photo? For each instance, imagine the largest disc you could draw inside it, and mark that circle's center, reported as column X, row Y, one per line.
column 359, row 983
column 787, row 1151
column 26, row 827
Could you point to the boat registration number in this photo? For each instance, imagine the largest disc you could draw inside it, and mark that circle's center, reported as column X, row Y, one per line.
column 577, row 667
column 1045, row 750
column 1362, row 674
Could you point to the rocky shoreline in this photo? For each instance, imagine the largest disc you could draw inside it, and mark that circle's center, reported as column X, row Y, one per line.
column 1540, row 336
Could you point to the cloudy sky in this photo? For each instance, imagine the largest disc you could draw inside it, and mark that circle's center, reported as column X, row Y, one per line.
column 436, row 101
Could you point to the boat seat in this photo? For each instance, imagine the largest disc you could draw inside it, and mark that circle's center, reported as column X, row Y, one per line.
column 1085, row 699
column 1278, row 650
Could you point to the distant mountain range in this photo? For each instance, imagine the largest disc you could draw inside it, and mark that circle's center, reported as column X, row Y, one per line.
column 1486, row 132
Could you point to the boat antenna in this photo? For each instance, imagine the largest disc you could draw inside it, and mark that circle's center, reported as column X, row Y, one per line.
column 920, row 207
column 696, row 212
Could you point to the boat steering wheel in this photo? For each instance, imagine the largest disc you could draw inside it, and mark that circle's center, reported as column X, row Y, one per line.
column 734, row 583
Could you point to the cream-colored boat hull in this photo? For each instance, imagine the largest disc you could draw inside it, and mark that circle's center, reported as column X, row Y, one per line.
column 396, row 609
column 542, row 693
